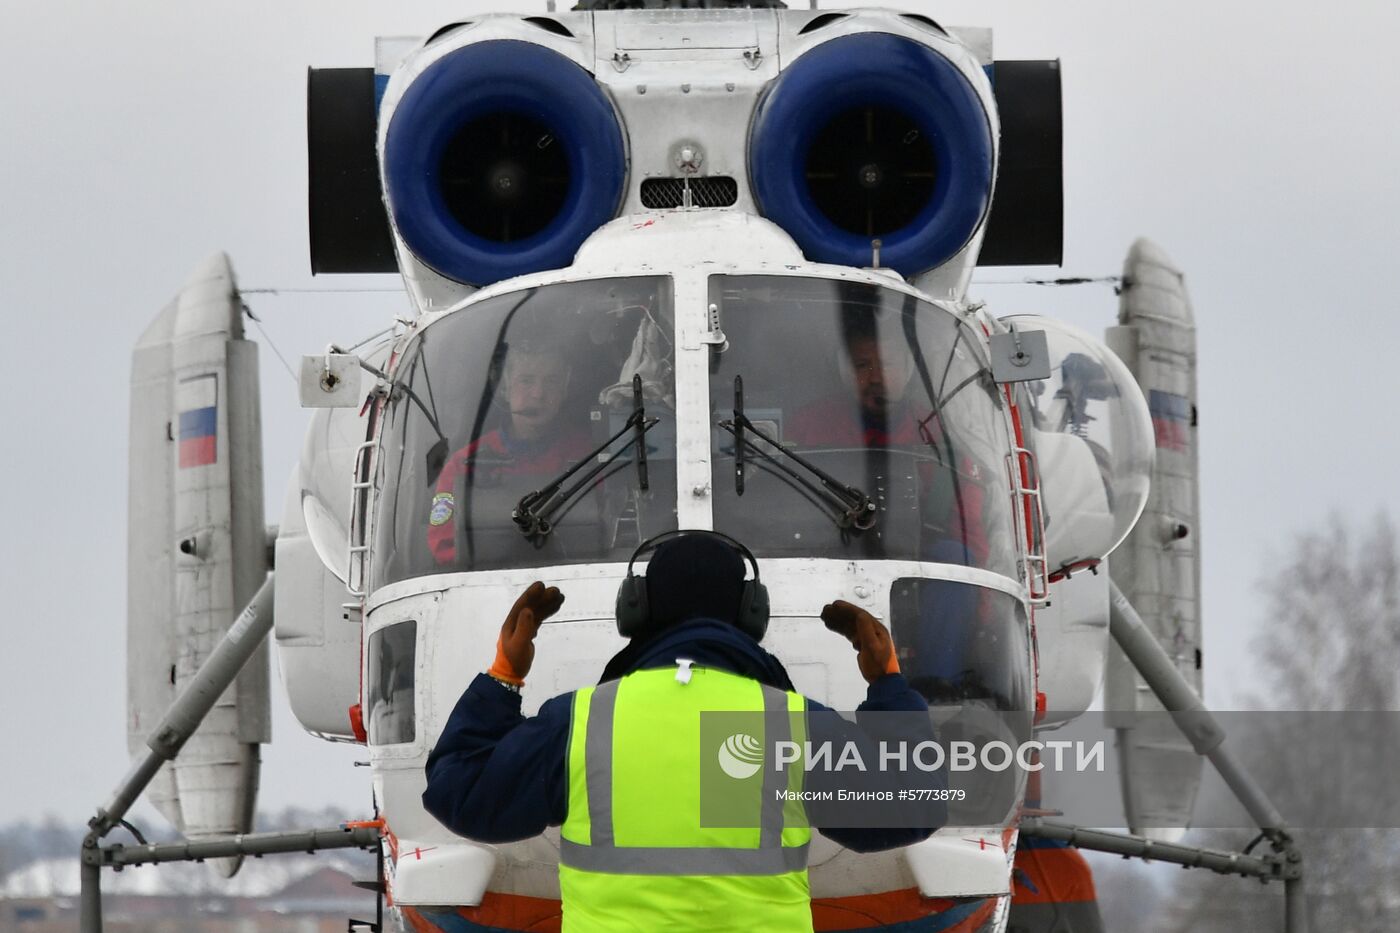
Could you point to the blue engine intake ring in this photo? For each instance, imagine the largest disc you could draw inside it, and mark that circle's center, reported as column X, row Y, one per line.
column 480, row 81
column 892, row 73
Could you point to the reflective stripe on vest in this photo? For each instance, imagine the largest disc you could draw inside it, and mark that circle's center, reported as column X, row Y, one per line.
column 601, row 853
column 653, row 860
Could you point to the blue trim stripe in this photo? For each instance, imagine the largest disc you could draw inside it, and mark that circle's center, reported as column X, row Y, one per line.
column 381, row 84
column 933, row 923
column 1167, row 405
column 1030, row 843
column 201, row 422
column 450, row 921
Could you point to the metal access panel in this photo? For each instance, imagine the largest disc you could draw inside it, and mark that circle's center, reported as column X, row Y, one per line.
column 1027, row 221
column 349, row 226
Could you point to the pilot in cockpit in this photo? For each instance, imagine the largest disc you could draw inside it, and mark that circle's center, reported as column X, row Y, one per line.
column 880, row 406
column 878, row 371
column 533, row 438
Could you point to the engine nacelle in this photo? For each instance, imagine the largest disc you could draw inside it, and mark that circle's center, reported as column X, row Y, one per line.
column 502, row 143
column 499, row 155
column 886, row 131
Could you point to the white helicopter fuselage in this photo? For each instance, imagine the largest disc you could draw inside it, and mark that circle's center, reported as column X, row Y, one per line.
column 742, row 240
column 457, row 615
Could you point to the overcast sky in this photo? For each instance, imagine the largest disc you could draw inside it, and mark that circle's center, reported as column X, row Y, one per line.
column 1256, row 142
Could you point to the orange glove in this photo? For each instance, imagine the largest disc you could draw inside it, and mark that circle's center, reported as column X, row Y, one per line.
column 867, row 635
column 515, row 647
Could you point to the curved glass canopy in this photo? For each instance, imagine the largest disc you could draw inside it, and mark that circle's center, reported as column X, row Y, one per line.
column 855, row 421
column 512, row 436
column 1095, row 438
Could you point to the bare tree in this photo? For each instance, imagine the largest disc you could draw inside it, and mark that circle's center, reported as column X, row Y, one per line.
column 1330, row 641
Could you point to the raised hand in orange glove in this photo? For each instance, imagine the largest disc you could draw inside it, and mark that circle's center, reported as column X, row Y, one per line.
column 867, row 635
column 515, row 647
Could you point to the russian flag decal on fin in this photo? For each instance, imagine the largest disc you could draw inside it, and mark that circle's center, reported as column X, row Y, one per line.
column 1170, row 416
column 199, row 420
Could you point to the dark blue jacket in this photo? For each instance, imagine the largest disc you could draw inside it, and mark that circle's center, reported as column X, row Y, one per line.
column 496, row 776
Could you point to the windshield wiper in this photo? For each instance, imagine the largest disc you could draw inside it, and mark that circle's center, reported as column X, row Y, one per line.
column 639, row 446
column 857, row 510
column 532, row 513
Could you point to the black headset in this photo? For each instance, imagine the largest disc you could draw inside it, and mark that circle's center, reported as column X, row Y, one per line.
column 634, row 614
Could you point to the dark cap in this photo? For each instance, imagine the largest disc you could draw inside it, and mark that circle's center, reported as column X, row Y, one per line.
column 694, row 577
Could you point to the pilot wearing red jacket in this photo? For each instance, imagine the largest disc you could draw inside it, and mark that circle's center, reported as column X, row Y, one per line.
column 880, row 371
column 529, row 446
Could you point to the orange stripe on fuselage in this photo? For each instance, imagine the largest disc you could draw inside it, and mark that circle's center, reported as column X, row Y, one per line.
column 502, row 911
column 1057, row 875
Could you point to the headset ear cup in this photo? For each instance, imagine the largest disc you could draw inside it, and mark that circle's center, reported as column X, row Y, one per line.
column 632, row 610
column 753, row 610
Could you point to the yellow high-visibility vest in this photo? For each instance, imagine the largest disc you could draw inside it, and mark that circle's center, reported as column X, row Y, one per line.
column 634, row 854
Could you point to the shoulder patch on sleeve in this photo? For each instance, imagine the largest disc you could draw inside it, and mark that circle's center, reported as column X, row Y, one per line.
column 444, row 504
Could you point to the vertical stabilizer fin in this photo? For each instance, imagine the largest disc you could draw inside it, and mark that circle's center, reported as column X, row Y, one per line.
column 1158, row 567
column 197, row 547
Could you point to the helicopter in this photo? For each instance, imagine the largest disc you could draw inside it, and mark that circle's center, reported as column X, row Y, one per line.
column 674, row 266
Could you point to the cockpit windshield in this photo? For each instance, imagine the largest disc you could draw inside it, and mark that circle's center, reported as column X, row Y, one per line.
column 855, row 421
column 533, row 428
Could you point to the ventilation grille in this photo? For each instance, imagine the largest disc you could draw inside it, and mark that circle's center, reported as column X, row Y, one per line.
column 708, row 191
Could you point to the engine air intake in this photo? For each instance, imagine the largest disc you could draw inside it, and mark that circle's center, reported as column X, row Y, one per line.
column 871, row 171
column 873, row 136
column 500, row 160
column 509, row 188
